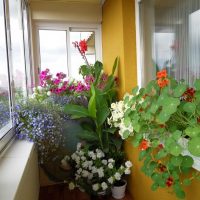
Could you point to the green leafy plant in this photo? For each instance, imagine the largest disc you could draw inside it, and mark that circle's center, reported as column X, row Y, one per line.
column 96, row 131
column 163, row 120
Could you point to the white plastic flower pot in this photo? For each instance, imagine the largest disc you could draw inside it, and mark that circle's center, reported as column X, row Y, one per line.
column 118, row 190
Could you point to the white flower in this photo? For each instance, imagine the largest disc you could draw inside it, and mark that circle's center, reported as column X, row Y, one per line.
column 79, row 170
column 111, row 180
column 104, row 186
column 94, row 157
column 111, row 160
column 105, row 162
column 67, row 158
column 95, row 187
column 117, row 176
column 94, row 170
column 100, row 172
column 128, row 164
column 49, row 93
column 39, row 88
column 34, row 89
column 78, row 147
column 85, row 173
column 100, row 153
column 83, row 158
column 110, row 165
column 71, row 186
column 127, row 171
column 113, row 106
column 90, row 153
column 85, row 164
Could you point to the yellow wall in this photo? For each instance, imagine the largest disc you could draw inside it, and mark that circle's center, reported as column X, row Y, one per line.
column 119, row 39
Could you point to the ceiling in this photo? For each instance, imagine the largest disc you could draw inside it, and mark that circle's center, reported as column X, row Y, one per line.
column 85, row 1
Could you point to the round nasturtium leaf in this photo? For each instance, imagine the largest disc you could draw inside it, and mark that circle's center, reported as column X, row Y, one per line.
column 179, row 90
column 189, row 107
column 187, row 161
column 194, row 146
column 176, row 160
column 175, row 150
column 192, row 131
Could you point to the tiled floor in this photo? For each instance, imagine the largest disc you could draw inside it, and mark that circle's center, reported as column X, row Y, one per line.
column 61, row 192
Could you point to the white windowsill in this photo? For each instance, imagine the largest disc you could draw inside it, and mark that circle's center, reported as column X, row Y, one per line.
column 13, row 164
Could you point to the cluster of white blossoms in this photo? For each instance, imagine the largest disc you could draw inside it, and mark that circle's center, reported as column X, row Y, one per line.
column 39, row 92
column 117, row 118
column 94, row 169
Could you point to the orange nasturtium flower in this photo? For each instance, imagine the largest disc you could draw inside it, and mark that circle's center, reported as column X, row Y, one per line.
column 144, row 145
column 162, row 82
column 162, row 74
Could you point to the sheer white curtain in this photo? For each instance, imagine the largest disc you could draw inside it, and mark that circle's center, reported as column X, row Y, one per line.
column 170, row 38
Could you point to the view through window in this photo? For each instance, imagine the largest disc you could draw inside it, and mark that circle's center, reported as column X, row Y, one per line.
column 60, row 55
column 170, row 38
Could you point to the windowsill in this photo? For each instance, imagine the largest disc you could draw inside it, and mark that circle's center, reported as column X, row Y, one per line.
column 13, row 164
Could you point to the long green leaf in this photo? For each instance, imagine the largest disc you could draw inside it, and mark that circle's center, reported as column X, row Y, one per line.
column 115, row 65
column 92, row 103
column 88, row 136
column 98, row 66
column 76, row 111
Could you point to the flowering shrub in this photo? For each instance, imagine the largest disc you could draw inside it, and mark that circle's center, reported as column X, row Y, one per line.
column 163, row 121
column 41, row 124
column 57, row 85
column 94, row 171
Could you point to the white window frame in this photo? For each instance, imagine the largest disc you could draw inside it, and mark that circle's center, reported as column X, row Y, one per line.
column 8, row 131
column 96, row 28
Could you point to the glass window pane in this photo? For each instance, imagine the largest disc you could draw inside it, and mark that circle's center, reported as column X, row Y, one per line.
column 76, row 59
column 27, row 45
column 4, row 84
column 53, row 51
column 170, row 36
column 17, row 47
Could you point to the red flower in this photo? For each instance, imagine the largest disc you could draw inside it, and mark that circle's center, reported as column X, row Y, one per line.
column 198, row 119
column 83, row 46
column 169, row 182
column 162, row 168
column 188, row 95
column 160, row 146
column 144, row 145
column 162, row 74
column 162, row 82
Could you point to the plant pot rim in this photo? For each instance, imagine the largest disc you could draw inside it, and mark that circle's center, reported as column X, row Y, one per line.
column 124, row 183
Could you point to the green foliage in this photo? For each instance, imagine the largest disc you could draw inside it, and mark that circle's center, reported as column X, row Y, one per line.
column 166, row 125
column 96, row 131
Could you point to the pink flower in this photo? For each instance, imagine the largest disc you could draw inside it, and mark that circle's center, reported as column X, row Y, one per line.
column 89, row 79
column 56, row 81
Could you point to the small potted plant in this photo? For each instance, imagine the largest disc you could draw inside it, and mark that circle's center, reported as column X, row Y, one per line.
column 119, row 187
column 96, row 173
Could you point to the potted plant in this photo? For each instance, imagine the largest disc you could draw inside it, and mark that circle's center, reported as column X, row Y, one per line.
column 95, row 172
column 163, row 120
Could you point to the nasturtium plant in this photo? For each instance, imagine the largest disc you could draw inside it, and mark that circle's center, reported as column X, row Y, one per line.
column 164, row 122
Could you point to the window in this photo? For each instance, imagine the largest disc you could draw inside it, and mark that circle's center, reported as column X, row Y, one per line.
column 59, row 55
column 13, row 76
column 169, row 38
column 53, row 51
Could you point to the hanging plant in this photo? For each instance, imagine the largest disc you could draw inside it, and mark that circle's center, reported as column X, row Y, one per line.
column 163, row 121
